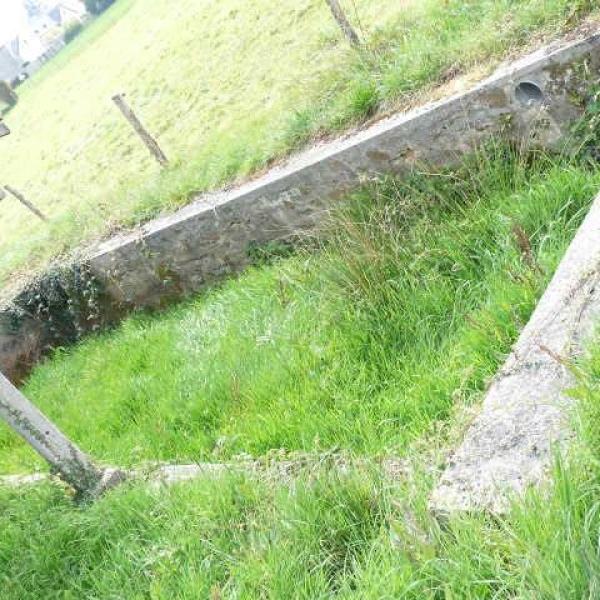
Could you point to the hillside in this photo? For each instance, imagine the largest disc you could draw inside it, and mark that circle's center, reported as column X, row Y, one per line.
column 226, row 87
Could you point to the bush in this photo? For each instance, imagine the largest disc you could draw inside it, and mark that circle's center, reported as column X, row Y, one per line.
column 95, row 7
column 72, row 31
column 7, row 94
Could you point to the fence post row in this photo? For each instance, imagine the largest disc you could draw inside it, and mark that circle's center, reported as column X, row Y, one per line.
column 63, row 456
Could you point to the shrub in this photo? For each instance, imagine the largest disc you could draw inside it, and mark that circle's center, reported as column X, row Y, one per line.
column 72, row 31
column 7, row 94
column 95, row 7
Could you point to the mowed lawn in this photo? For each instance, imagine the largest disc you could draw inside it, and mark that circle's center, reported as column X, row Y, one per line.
column 226, row 87
column 364, row 344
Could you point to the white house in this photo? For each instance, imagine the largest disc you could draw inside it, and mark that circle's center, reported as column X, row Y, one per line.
column 30, row 46
column 11, row 63
column 41, row 38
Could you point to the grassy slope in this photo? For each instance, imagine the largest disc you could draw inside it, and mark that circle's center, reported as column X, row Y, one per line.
column 367, row 344
column 363, row 345
column 225, row 86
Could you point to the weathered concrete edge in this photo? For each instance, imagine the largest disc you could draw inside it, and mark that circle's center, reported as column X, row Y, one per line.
column 209, row 239
column 526, row 413
column 280, row 470
column 353, row 157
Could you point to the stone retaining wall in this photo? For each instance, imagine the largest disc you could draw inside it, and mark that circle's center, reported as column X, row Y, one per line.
column 537, row 98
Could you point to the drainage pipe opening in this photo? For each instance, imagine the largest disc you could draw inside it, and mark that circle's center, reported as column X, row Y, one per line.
column 529, row 93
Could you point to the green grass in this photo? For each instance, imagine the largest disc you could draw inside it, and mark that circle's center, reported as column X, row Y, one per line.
column 325, row 536
column 226, row 87
column 364, row 344
column 373, row 340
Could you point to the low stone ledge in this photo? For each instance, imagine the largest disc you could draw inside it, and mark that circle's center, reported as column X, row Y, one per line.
column 525, row 416
column 537, row 98
column 283, row 469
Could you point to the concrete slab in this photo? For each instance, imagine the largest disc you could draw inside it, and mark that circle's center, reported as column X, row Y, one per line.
column 525, row 416
column 280, row 470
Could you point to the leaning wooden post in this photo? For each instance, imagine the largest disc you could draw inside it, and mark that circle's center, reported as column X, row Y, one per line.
column 343, row 22
column 145, row 136
column 65, row 458
column 38, row 213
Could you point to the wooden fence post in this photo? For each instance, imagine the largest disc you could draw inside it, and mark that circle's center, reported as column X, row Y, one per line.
column 343, row 22
column 145, row 136
column 26, row 203
column 65, row 458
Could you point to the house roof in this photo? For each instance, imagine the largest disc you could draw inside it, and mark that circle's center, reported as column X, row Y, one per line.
column 40, row 24
column 24, row 48
column 13, row 47
column 66, row 11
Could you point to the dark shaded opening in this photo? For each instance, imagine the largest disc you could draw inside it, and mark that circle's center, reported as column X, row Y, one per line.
column 528, row 93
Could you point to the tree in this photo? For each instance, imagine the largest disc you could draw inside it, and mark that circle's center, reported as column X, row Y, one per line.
column 7, row 94
column 72, row 31
column 95, row 7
